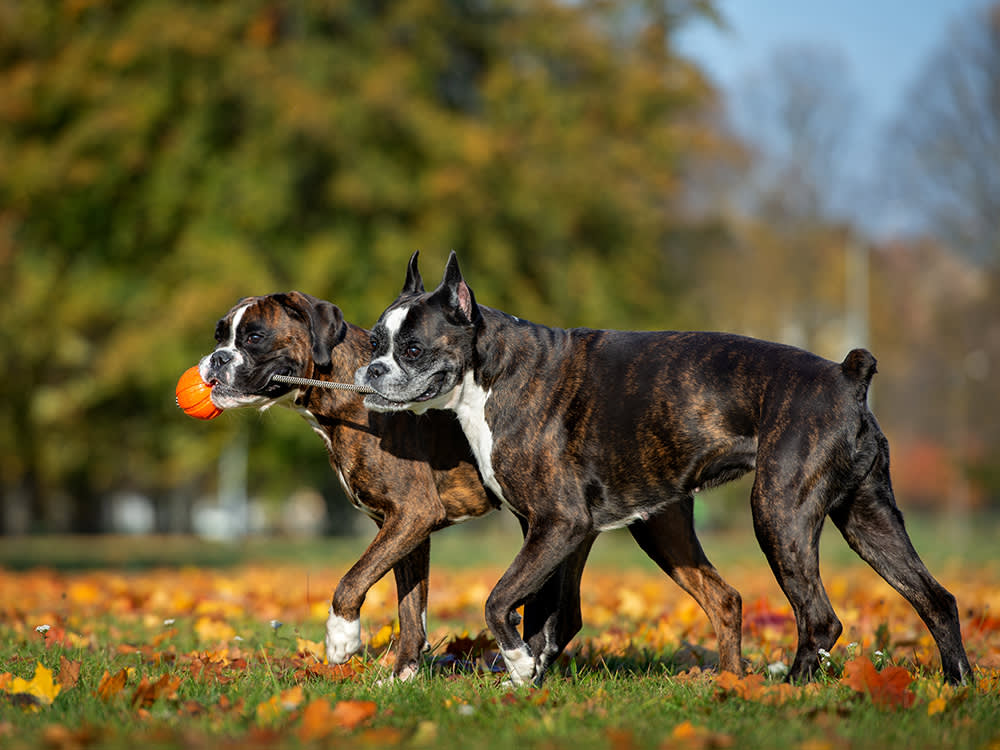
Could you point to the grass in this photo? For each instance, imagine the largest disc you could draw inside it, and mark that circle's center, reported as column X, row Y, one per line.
column 619, row 687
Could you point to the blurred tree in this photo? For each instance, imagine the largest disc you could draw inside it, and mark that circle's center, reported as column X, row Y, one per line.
column 944, row 148
column 945, row 144
column 162, row 159
column 786, row 243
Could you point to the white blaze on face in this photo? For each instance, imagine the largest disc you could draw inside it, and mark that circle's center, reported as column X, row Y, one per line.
column 393, row 323
column 230, row 345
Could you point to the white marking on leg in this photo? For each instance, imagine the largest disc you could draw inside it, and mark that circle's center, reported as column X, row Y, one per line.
column 343, row 638
column 520, row 665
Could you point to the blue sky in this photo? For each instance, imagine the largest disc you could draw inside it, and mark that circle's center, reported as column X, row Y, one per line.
column 886, row 42
column 885, row 45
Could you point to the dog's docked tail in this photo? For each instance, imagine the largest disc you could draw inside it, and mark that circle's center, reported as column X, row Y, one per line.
column 859, row 367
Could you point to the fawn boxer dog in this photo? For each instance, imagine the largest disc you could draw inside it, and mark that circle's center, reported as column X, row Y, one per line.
column 579, row 431
column 412, row 475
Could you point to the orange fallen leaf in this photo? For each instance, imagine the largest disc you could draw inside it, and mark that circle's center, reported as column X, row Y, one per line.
column 691, row 736
column 69, row 672
column 317, row 721
column 209, row 629
column 887, row 689
column 278, row 705
column 305, row 647
column 381, row 736
column 60, row 737
column 146, row 693
column 111, row 685
column 348, row 714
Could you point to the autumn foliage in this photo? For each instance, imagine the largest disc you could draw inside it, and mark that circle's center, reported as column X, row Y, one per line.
column 244, row 646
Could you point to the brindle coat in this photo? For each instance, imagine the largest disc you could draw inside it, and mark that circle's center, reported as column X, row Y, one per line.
column 583, row 430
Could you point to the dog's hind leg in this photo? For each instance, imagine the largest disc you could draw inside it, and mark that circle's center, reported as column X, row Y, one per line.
column 873, row 527
column 788, row 519
column 412, row 575
column 669, row 538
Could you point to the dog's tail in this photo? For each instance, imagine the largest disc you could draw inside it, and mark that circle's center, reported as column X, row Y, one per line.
column 859, row 367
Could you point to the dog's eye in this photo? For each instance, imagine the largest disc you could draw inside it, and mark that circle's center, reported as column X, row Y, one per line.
column 253, row 338
column 374, row 342
column 412, row 351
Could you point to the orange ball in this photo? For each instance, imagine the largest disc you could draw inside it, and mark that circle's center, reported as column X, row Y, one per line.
column 194, row 396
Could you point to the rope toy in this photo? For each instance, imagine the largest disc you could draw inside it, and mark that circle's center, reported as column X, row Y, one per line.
column 291, row 379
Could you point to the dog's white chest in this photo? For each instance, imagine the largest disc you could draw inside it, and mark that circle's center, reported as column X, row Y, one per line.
column 470, row 409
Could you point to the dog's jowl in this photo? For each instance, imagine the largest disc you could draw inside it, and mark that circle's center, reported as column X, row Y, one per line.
column 579, row 431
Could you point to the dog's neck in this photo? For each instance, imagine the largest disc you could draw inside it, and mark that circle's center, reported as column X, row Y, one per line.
column 507, row 346
column 346, row 357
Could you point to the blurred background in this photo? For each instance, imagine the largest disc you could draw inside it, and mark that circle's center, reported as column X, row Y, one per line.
column 645, row 164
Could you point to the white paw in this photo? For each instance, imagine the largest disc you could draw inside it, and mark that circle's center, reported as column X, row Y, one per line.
column 520, row 665
column 406, row 674
column 343, row 638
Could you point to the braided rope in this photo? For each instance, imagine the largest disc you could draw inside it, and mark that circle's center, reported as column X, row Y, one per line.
column 322, row 384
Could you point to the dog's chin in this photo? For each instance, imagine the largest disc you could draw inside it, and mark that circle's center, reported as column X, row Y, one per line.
column 227, row 397
column 379, row 403
column 431, row 398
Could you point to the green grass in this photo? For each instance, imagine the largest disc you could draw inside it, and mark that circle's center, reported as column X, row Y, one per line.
column 641, row 705
column 592, row 699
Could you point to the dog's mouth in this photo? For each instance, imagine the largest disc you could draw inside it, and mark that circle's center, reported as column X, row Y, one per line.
column 229, row 395
column 380, row 402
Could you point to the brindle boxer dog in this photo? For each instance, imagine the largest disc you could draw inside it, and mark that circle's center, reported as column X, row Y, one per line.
column 412, row 475
column 581, row 430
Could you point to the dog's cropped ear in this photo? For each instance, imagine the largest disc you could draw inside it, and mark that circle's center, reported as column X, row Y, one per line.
column 325, row 320
column 456, row 296
column 414, row 284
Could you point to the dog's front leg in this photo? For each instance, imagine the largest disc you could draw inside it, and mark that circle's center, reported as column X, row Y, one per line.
column 412, row 577
column 394, row 540
column 552, row 617
column 546, row 546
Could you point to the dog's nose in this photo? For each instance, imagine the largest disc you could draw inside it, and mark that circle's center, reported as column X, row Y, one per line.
column 376, row 370
column 221, row 358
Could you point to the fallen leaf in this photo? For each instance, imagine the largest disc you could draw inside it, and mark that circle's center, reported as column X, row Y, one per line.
column 381, row 736
column 278, row 705
column 936, row 706
column 689, row 735
column 41, row 686
column 317, row 721
column 60, row 737
column 69, row 672
column 146, row 693
column 111, row 685
column 348, row 714
column 310, row 648
column 887, row 689
column 210, row 629
column 383, row 637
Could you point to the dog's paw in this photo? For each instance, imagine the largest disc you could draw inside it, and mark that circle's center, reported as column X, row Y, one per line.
column 343, row 638
column 520, row 666
column 406, row 674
